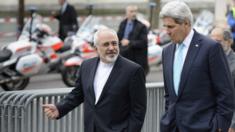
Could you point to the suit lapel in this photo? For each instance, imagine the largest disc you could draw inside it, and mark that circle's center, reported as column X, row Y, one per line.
column 191, row 54
column 92, row 77
column 122, row 28
column 113, row 75
column 169, row 66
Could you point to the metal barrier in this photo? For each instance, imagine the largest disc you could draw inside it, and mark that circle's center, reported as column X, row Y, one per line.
column 21, row 111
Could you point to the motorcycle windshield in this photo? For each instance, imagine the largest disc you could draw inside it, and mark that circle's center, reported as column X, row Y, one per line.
column 204, row 22
column 92, row 23
column 31, row 24
column 89, row 27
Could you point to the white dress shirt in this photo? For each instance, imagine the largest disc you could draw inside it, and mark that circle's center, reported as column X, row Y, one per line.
column 186, row 43
column 102, row 74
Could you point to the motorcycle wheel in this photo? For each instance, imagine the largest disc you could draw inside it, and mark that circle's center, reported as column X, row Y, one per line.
column 69, row 75
column 16, row 84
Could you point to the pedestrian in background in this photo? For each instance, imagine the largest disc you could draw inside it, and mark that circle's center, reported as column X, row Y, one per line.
column 225, row 38
column 133, row 38
column 231, row 20
column 111, row 87
column 67, row 17
column 198, row 84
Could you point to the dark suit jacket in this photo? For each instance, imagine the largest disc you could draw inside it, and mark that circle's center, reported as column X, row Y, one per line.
column 122, row 104
column 205, row 98
column 231, row 62
column 67, row 21
column 137, row 50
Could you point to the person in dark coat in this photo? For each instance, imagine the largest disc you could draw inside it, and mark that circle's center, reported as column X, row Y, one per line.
column 133, row 39
column 199, row 91
column 111, row 87
column 67, row 17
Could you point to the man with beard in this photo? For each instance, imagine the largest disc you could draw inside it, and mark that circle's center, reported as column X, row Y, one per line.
column 111, row 87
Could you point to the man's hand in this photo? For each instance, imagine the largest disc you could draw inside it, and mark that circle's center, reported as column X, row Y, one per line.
column 231, row 130
column 51, row 111
column 125, row 42
column 54, row 13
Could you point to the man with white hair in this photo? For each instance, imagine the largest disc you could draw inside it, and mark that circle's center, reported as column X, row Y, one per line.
column 198, row 84
column 111, row 87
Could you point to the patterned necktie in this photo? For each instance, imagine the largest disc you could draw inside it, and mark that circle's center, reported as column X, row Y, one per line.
column 178, row 66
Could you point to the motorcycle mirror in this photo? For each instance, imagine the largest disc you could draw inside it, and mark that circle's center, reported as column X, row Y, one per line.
column 31, row 10
column 77, row 51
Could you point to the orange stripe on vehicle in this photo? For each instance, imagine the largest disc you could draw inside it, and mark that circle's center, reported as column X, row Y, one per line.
column 58, row 46
column 28, row 69
column 54, row 56
column 23, row 48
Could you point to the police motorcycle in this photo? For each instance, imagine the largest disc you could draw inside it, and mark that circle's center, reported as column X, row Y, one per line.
column 35, row 52
column 81, row 49
column 154, row 50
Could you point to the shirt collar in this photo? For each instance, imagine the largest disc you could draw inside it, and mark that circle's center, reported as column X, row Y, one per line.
column 129, row 22
column 228, row 51
column 188, row 38
column 64, row 6
column 102, row 64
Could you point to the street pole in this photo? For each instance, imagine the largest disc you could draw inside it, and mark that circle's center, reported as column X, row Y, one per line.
column 154, row 13
column 90, row 9
column 152, row 5
column 20, row 19
column 220, row 10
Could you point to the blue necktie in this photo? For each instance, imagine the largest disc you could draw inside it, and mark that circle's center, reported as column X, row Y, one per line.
column 178, row 65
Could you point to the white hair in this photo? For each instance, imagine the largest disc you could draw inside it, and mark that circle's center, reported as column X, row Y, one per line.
column 177, row 10
column 102, row 30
